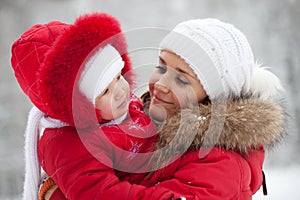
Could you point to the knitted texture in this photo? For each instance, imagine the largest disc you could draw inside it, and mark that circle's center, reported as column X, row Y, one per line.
column 219, row 54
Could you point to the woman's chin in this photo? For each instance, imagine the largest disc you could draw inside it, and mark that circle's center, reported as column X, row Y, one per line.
column 158, row 112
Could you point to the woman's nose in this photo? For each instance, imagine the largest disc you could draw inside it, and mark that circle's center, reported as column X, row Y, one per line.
column 163, row 84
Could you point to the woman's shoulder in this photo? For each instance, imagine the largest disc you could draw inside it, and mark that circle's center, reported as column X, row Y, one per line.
column 214, row 154
column 220, row 160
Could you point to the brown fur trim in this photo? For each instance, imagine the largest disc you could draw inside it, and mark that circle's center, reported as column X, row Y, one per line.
column 248, row 124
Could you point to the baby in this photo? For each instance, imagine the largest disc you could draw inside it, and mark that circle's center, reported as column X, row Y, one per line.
column 73, row 74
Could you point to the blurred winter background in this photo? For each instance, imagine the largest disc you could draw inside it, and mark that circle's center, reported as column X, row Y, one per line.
column 272, row 27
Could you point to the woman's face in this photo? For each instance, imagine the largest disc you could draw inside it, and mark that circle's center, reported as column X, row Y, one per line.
column 173, row 85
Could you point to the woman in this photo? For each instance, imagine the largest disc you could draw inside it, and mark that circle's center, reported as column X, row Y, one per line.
column 215, row 110
column 207, row 68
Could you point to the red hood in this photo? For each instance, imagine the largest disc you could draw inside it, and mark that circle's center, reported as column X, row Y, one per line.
column 28, row 53
column 48, row 60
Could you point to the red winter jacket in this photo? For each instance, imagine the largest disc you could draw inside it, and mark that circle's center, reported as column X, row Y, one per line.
column 115, row 147
column 230, row 170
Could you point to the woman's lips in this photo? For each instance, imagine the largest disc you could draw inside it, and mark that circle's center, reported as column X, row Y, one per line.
column 157, row 100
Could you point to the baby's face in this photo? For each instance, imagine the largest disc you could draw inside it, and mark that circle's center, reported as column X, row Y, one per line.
column 113, row 101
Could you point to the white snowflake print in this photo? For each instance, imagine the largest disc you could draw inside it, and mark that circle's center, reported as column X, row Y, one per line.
column 134, row 149
column 135, row 125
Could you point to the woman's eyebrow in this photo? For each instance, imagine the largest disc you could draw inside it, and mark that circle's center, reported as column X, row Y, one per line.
column 184, row 72
column 178, row 69
column 162, row 60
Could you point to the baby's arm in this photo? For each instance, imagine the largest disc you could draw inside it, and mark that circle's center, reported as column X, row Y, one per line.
column 80, row 175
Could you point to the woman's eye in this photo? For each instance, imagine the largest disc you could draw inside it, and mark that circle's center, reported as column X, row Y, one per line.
column 161, row 69
column 181, row 80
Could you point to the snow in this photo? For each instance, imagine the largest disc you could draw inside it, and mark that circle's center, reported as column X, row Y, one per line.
column 282, row 183
column 272, row 29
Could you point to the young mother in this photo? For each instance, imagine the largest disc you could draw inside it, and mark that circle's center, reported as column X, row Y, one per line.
column 216, row 115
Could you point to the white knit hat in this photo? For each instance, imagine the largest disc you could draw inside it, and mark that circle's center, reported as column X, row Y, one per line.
column 219, row 54
column 99, row 71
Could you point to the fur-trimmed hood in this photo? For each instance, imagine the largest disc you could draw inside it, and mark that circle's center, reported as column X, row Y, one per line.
column 59, row 75
column 49, row 60
column 246, row 123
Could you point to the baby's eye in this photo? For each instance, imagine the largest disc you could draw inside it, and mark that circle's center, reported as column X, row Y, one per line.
column 181, row 80
column 105, row 92
column 119, row 77
column 161, row 69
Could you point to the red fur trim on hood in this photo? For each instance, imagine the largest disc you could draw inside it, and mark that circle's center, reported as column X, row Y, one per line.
column 63, row 66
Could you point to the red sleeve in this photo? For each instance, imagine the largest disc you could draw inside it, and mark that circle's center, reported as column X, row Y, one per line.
column 80, row 176
column 220, row 175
